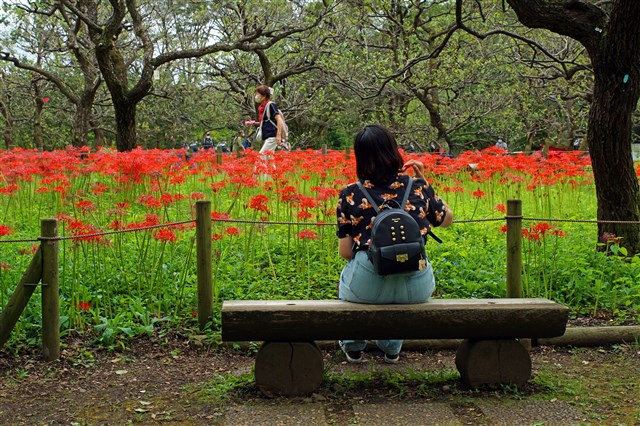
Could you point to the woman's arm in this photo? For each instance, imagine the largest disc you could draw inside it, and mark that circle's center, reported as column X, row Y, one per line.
column 279, row 132
column 344, row 247
column 448, row 217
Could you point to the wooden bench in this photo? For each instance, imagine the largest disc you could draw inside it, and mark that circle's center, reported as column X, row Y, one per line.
column 290, row 363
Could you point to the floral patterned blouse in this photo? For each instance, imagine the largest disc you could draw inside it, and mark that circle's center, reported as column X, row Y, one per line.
column 356, row 214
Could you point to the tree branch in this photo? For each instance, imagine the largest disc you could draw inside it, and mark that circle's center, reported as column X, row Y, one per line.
column 5, row 56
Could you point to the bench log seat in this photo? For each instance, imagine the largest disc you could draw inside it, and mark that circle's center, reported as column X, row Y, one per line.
column 290, row 363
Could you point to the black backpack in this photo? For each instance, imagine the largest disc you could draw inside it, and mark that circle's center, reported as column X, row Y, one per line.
column 397, row 246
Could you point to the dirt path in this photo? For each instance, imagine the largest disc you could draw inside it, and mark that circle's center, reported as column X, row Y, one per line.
column 177, row 383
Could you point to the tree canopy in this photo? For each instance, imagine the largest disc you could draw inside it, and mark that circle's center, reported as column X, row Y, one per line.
column 442, row 74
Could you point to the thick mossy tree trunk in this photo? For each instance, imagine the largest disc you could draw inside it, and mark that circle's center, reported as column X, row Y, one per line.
column 125, row 100
column 125, row 125
column 612, row 40
column 609, row 136
column 80, row 130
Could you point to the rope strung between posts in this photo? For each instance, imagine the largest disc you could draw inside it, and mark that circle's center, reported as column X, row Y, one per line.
column 261, row 222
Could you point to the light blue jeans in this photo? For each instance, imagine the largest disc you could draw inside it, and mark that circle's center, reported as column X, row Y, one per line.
column 359, row 283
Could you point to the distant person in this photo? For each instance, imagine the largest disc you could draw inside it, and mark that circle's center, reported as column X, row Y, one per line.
column 237, row 145
column 269, row 119
column 502, row 145
column 380, row 167
column 246, row 143
column 577, row 143
column 207, row 142
column 222, row 147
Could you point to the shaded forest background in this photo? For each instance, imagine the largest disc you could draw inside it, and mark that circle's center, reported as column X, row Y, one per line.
column 334, row 67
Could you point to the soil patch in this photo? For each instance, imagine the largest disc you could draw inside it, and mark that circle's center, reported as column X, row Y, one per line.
column 184, row 382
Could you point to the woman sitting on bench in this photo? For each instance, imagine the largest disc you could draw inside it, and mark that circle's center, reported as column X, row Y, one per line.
column 380, row 168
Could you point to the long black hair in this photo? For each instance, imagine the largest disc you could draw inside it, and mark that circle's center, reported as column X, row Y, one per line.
column 377, row 156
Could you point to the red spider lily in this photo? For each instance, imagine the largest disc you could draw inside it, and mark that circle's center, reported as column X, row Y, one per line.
column 86, row 233
column 610, row 238
column 216, row 237
column 478, row 193
column 116, row 225
column 85, row 206
column 5, row 266
column 196, row 196
column 9, row 190
column 149, row 201
column 99, row 188
column 122, row 205
column 452, row 189
column 288, row 194
column 151, row 220
column 232, row 231
column 217, row 186
column 538, row 231
column 29, row 250
column 84, row 306
column 166, row 199
column 165, row 235
column 306, row 202
column 307, row 234
column 501, row 208
column 325, row 193
column 304, row 214
column 217, row 215
column 4, row 230
column 60, row 189
column 259, row 203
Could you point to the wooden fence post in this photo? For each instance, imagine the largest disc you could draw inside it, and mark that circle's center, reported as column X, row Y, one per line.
column 347, row 153
column 204, row 262
column 50, row 291
column 514, row 248
column 324, row 149
column 20, row 297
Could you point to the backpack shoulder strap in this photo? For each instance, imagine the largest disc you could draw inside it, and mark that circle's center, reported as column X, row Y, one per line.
column 407, row 192
column 366, row 194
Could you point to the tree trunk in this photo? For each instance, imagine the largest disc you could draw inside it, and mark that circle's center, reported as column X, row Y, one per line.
column 8, row 127
column 125, row 125
column 609, row 138
column 79, row 132
column 612, row 41
column 37, row 117
column 98, row 133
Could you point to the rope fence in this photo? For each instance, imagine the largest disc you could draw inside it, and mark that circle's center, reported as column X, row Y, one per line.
column 44, row 266
column 291, row 223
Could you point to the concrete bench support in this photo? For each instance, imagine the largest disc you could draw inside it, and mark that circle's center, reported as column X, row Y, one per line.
column 289, row 363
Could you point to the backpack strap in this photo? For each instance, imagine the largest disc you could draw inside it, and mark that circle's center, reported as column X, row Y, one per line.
column 405, row 197
column 407, row 192
column 267, row 110
column 368, row 196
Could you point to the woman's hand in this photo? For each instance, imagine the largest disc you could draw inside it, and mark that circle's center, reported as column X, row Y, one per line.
column 418, row 168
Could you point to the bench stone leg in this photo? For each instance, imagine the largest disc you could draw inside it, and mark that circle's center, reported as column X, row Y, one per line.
column 490, row 362
column 289, row 368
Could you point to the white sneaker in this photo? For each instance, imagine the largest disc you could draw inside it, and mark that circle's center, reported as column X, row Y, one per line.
column 391, row 359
